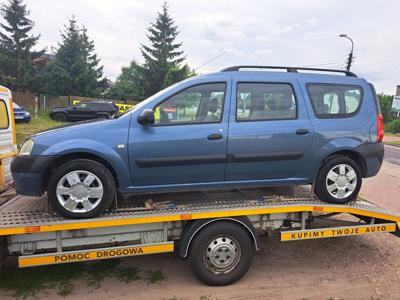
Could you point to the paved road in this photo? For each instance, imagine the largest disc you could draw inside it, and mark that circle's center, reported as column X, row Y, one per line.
column 392, row 154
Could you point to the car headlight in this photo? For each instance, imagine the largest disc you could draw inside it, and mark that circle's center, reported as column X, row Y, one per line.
column 26, row 148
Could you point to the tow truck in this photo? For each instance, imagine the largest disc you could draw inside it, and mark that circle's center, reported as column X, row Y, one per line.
column 218, row 230
column 8, row 139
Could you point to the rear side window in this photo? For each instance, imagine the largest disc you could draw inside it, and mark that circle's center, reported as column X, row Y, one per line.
column 265, row 101
column 4, row 121
column 335, row 100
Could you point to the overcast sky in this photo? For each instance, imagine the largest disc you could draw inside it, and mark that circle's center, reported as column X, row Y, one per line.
column 298, row 33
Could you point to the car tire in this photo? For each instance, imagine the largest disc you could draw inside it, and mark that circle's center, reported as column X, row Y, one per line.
column 339, row 180
column 71, row 184
column 60, row 117
column 207, row 265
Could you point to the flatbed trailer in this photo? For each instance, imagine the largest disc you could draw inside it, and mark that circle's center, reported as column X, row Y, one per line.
column 218, row 230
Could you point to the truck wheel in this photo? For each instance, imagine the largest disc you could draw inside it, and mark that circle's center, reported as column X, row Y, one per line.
column 81, row 188
column 221, row 253
column 338, row 181
column 60, row 117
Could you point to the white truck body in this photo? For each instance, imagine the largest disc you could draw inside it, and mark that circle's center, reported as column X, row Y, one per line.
column 8, row 147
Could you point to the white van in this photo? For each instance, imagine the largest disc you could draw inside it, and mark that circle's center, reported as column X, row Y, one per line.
column 8, row 140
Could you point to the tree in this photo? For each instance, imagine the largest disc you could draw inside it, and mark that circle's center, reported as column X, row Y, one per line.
column 385, row 102
column 163, row 58
column 16, row 47
column 129, row 85
column 75, row 69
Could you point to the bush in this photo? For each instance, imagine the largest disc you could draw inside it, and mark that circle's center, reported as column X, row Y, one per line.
column 393, row 126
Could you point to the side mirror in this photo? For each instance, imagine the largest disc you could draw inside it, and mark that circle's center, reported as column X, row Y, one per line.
column 146, row 117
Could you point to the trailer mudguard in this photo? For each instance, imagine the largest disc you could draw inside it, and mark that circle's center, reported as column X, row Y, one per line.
column 193, row 227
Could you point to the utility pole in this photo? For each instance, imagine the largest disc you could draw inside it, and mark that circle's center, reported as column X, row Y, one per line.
column 350, row 58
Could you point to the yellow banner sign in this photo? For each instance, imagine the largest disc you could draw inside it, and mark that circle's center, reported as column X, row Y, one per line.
column 336, row 232
column 121, row 106
column 86, row 255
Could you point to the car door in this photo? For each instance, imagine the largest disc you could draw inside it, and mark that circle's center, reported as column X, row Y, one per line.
column 269, row 131
column 78, row 112
column 187, row 144
column 93, row 109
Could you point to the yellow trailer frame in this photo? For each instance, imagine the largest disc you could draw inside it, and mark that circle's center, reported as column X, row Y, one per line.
column 293, row 213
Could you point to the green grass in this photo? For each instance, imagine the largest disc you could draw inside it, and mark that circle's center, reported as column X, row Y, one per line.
column 127, row 274
column 35, row 282
column 393, row 143
column 38, row 123
column 154, row 276
column 392, row 134
column 24, row 283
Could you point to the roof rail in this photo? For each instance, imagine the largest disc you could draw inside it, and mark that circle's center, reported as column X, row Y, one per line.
column 289, row 69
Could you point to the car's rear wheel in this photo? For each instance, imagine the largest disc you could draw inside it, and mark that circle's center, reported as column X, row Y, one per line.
column 81, row 188
column 339, row 180
column 60, row 117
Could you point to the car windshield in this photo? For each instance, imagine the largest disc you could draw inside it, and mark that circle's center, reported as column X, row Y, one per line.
column 15, row 105
column 144, row 102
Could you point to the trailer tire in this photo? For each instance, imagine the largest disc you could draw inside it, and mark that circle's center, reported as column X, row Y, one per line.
column 221, row 253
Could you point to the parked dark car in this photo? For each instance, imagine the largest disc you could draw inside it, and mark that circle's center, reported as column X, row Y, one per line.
column 85, row 111
column 20, row 114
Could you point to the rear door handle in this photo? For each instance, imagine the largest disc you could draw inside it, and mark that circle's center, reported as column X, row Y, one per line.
column 215, row 136
column 302, row 131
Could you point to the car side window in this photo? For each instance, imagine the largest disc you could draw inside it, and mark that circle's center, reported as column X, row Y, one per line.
column 4, row 121
column 81, row 105
column 335, row 100
column 265, row 101
column 202, row 103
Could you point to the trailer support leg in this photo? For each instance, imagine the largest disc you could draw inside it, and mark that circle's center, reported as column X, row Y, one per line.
column 304, row 216
column 3, row 250
column 58, row 241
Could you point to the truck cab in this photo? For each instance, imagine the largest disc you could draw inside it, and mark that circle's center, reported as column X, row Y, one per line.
column 8, row 147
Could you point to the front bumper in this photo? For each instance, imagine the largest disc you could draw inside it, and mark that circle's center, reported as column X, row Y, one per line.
column 29, row 174
column 25, row 119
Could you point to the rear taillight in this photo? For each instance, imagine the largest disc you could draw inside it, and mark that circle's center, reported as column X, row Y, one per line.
column 380, row 133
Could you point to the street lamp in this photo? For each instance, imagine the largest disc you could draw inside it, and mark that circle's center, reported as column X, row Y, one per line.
column 350, row 59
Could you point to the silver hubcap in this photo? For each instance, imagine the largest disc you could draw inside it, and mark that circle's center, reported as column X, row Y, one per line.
column 222, row 255
column 341, row 181
column 79, row 191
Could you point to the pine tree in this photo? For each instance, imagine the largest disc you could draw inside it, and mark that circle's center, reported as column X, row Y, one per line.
column 129, row 85
column 75, row 69
column 163, row 58
column 16, row 47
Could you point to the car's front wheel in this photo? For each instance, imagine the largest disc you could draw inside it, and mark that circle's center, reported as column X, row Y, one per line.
column 339, row 180
column 81, row 188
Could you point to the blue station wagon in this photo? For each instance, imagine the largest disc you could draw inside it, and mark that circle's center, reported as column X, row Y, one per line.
column 245, row 126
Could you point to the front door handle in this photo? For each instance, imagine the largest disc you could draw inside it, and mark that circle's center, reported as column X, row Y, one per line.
column 215, row 136
column 302, row 131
